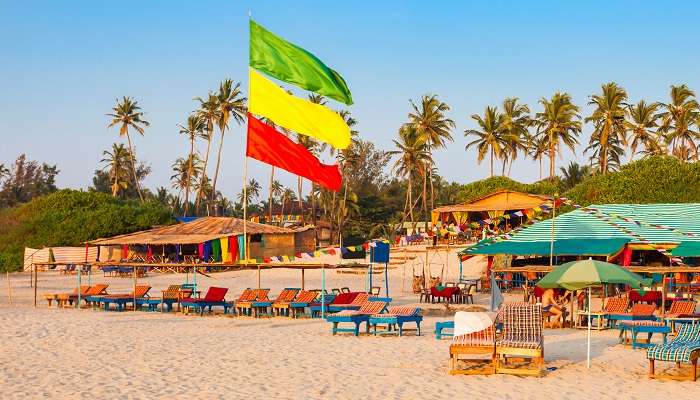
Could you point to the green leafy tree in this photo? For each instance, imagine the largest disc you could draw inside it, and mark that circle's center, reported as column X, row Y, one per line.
column 413, row 155
column 574, row 174
column 117, row 165
column 678, row 119
column 641, row 123
column 489, row 137
column 558, row 122
column 609, row 129
column 128, row 115
column 193, row 129
column 26, row 180
column 209, row 111
column 516, row 124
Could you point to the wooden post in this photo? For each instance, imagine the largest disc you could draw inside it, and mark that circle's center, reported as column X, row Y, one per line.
column 258, row 276
column 302, row 279
column 9, row 288
column 36, row 281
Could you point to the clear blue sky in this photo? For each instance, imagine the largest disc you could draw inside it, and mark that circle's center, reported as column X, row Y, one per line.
column 64, row 63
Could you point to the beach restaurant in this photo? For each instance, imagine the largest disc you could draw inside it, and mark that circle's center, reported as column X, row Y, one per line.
column 210, row 239
column 660, row 239
column 505, row 209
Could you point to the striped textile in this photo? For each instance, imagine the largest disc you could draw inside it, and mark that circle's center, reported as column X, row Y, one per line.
column 679, row 349
column 360, row 299
column 67, row 255
column 681, row 307
column 404, row 311
column 486, row 337
column 522, row 326
column 642, row 323
column 286, row 296
column 305, row 296
column 247, row 295
column 642, row 309
column 369, row 308
column 616, row 305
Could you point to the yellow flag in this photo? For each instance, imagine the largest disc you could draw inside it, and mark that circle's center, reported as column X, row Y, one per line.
column 298, row 115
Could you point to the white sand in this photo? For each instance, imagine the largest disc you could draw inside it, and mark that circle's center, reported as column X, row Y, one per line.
column 69, row 353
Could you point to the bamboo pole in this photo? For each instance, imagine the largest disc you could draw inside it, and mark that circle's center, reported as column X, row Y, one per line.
column 36, row 282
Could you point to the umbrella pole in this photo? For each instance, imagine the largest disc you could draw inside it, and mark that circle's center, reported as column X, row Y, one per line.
column 80, row 278
column 323, row 291
column 9, row 288
column 588, row 354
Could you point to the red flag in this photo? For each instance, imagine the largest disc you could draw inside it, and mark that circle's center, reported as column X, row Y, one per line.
column 269, row 146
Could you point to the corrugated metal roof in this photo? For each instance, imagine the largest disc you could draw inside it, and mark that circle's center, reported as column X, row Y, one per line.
column 579, row 224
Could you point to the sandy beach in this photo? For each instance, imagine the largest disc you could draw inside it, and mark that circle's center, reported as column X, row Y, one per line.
column 70, row 353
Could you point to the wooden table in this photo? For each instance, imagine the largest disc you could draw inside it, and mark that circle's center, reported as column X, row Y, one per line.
column 599, row 314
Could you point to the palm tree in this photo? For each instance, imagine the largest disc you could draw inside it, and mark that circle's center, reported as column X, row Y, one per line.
column 412, row 155
column 180, row 178
column 558, row 122
column 117, row 162
column 490, row 137
column 608, row 120
column 641, row 124
column 574, row 174
column 231, row 105
column 287, row 194
column 516, row 123
column 276, row 189
column 677, row 121
column 193, row 129
column 210, row 113
column 537, row 149
column 127, row 114
column 433, row 127
column 252, row 191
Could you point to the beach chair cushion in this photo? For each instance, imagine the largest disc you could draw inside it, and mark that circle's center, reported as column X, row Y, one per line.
column 486, row 337
column 522, row 326
column 674, row 352
column 215, row 294
column 305, row 296
column 616, row 305
column 360, row 299
column 369, row 308
column 404, row 311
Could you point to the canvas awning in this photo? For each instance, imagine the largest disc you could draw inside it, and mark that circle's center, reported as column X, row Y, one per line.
column 687, row 249
column 502, row 200
column 571, row 247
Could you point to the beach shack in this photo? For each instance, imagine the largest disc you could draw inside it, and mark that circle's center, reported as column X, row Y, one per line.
column 502, row 210
column 662, row 240
column 211, row 239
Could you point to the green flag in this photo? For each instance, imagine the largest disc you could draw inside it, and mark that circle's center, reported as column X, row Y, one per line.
column 290, row 63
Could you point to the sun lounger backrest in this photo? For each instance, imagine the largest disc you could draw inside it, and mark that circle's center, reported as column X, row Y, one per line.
column 215, row 294
column 247, row 295
column 360, row 299
column 522, row 322
column 486, row 337
column 287, row 295
column 305, row 296
column 642, row 309
column 688, row 333
column 682, row 307
column 372, row 307
column 261, row 294
column 141, row 290
column 97, row 289
column 344, row 298
column 405, row 311
column 616, row 305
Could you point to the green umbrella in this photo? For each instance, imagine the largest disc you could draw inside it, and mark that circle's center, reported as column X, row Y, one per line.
column 582, row 274
column 578, row 275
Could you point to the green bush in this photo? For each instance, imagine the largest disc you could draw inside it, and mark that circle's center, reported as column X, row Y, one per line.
column 650, row 180
column 69, row 218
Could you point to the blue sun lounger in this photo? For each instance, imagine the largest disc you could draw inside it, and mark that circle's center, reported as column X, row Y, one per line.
column 357, row 317
column 395, row 317
column 214, row 298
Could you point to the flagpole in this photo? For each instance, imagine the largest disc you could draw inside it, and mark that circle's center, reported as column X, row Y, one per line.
column 245, row 169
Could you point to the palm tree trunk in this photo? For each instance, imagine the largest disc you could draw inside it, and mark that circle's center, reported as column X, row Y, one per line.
column 301, row 202
column 410, row 198
column 491, row 171
column 189, row 177
column 313, row 211
column 216, row 171
column 204, row 174
column 425, row 199
column 284, row 201
column 540, row 159
column 551, row 158
column 272, row 178
column 341, row 215
column 133, row 166
column 432, row 192
column 503, row 167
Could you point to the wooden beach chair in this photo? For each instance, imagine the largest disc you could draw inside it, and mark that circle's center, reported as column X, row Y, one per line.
column 121, row 300
column 50, row 297
column 356, row 317
column 322, row 302
column 244, row 307
column 522, row 338
column 302, row 300
column 638, row 312
column 394, row 319
column 96, row 290
column 611, row 305
column 473, row 353
column 280, row 306
column 684, row 349
column 260, row 307
column 215, row 297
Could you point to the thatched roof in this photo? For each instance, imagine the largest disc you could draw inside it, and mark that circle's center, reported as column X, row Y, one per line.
column 197, row 231
column 501, row 200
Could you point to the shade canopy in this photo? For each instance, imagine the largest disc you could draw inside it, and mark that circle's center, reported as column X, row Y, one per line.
column 574, row 247
column 687, row 249
column 578, row 275
column 501, row 200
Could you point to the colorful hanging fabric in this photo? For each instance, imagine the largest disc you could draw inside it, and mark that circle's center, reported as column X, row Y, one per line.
column 200, row 251
column 290, row 63
column 241, row 247
column 233, row 248
column 216, row 250
column 225, row 255
column 206, row 255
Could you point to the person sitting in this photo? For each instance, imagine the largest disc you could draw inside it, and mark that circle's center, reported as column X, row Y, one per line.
column 551, row 305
